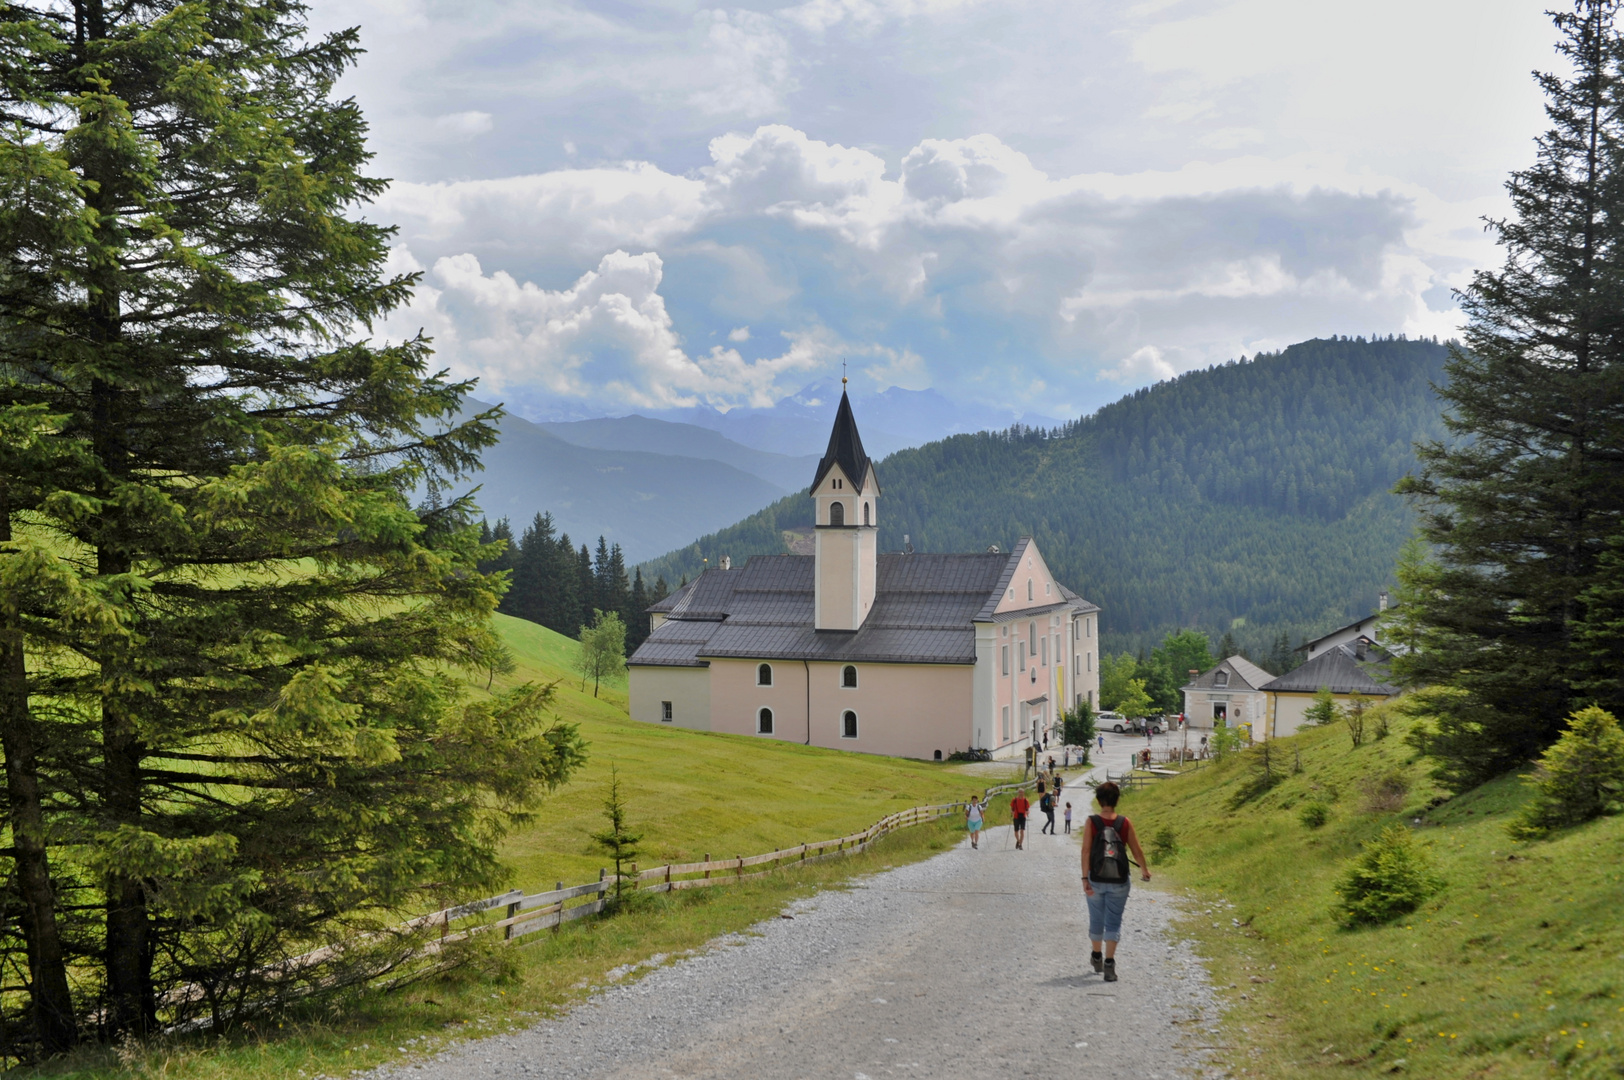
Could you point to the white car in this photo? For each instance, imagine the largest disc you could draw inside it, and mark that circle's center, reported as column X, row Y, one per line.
column 1113, row 720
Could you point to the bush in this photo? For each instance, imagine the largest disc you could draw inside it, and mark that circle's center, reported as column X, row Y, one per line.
column 1315, row 814
column 1579, row 778
column 1391, row 877
column 1385, row 794
column 1165, row 845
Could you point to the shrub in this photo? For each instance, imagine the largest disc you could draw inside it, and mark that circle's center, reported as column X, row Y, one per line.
column 1391, row 877
column 1165, row 845
column 1385, row 794
column 1315, row 814
column 1323, row 711
column 1579, row 778
column 1353, row 716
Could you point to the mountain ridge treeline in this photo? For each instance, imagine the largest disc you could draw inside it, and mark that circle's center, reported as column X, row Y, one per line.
column 1252, row 497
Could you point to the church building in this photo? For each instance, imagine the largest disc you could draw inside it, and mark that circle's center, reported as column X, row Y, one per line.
column 901, row 653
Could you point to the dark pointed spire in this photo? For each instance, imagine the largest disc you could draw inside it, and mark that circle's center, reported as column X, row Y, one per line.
column 845, row 449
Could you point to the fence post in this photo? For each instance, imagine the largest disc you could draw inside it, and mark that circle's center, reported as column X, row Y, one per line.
column 507, row 931
column 738, row 871
column 667, row 877
column 559, row 925
column 707, row 868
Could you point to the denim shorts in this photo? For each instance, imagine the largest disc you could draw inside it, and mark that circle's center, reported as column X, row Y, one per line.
column 1105, row 909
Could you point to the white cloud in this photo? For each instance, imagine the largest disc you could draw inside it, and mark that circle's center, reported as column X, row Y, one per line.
column 464, row 125
column 1143, row 365
column 964, row 259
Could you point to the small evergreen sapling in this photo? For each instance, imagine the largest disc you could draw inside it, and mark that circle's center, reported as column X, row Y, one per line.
column 1323, row 710
column 1353, row 716
column 1578, row 779
column 1391, row 877
column 618, row 841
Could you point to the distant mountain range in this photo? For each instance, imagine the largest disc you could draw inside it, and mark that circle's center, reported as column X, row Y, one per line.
column 639, row 482
column 1253, row 496
column 893, row 419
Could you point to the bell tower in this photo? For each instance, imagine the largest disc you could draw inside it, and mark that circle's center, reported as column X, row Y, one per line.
column 845, row 497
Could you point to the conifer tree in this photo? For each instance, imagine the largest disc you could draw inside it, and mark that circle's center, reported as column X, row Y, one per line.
column 254, row 648
column 1520, row 503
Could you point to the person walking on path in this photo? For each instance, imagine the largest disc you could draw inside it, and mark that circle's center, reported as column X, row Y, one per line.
column 1018, row 807
column 975, row 815
column 1101, row 737
column 1106, row 843
column 1046, row 804
column 1068, row 819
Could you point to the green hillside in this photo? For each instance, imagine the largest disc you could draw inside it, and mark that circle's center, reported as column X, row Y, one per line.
column 1512, row 970
column 1251, row 496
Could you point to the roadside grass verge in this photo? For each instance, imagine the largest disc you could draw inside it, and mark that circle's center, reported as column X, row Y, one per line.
column 1515, row 969
column 502, row 989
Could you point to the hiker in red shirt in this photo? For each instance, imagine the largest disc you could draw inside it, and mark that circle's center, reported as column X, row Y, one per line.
column 1018, row 807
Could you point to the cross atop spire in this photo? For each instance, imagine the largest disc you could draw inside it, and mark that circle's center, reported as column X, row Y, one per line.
column 845, row 449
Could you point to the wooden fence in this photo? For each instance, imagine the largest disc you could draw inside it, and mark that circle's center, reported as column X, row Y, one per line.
column 529, row 914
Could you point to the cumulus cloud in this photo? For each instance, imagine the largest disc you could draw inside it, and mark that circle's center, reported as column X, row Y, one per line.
column 965, row 267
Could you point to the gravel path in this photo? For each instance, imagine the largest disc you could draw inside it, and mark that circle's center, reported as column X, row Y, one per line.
column 972, row 964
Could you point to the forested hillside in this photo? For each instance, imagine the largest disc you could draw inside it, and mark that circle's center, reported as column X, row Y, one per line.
column 1251, row 496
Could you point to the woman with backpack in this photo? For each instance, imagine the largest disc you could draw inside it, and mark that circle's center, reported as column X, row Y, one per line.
column 1107, row 841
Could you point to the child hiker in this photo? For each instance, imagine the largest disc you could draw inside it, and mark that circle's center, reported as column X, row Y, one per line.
column 1068, row 819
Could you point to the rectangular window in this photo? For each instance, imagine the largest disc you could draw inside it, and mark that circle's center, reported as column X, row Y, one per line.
column 1006, row 723
column 1023, row 719
column 1045, row 650
column 665, row 710
column 1020, row 656
column 1088, row 627
column 1076, row 663
column 1032, row 638
column 1006, row 659
column 1090, row 661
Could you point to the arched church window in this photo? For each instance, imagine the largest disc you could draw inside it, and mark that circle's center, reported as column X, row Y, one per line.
column 764, row 675
column 848, row 725
column 865, row 515
column 837, row 513
column 848, row 676
column 764, row 722
column 1029, row 595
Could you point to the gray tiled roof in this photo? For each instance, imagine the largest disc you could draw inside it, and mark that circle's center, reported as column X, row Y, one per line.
column 1340, row 669
column 925, row 607
column 1244, row 675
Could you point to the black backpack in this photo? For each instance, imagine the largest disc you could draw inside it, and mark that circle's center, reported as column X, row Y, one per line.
column 1108, row 854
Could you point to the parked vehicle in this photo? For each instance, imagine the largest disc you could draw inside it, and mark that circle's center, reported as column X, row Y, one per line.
column 1141, row 723
column 1113, row 721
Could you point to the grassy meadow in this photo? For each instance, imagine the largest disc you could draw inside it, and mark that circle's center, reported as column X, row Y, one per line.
column 1515, row 969
column 688, row 792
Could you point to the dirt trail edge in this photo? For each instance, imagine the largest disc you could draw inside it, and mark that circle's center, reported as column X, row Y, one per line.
column 971, row 964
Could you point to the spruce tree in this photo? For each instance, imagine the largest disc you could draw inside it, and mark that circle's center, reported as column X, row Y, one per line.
column 1520, row 503
column 254, row 650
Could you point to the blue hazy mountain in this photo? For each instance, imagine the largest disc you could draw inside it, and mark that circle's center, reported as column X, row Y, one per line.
column 644, row 500
column 641, row 433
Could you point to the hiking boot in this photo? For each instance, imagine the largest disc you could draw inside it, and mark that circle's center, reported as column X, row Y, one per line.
column 1097, row 961
column 1110, row 970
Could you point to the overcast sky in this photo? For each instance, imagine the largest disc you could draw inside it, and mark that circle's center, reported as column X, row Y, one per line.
column 625, row 206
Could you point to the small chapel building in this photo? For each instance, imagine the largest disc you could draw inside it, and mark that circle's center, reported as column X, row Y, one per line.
column 911, row 655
